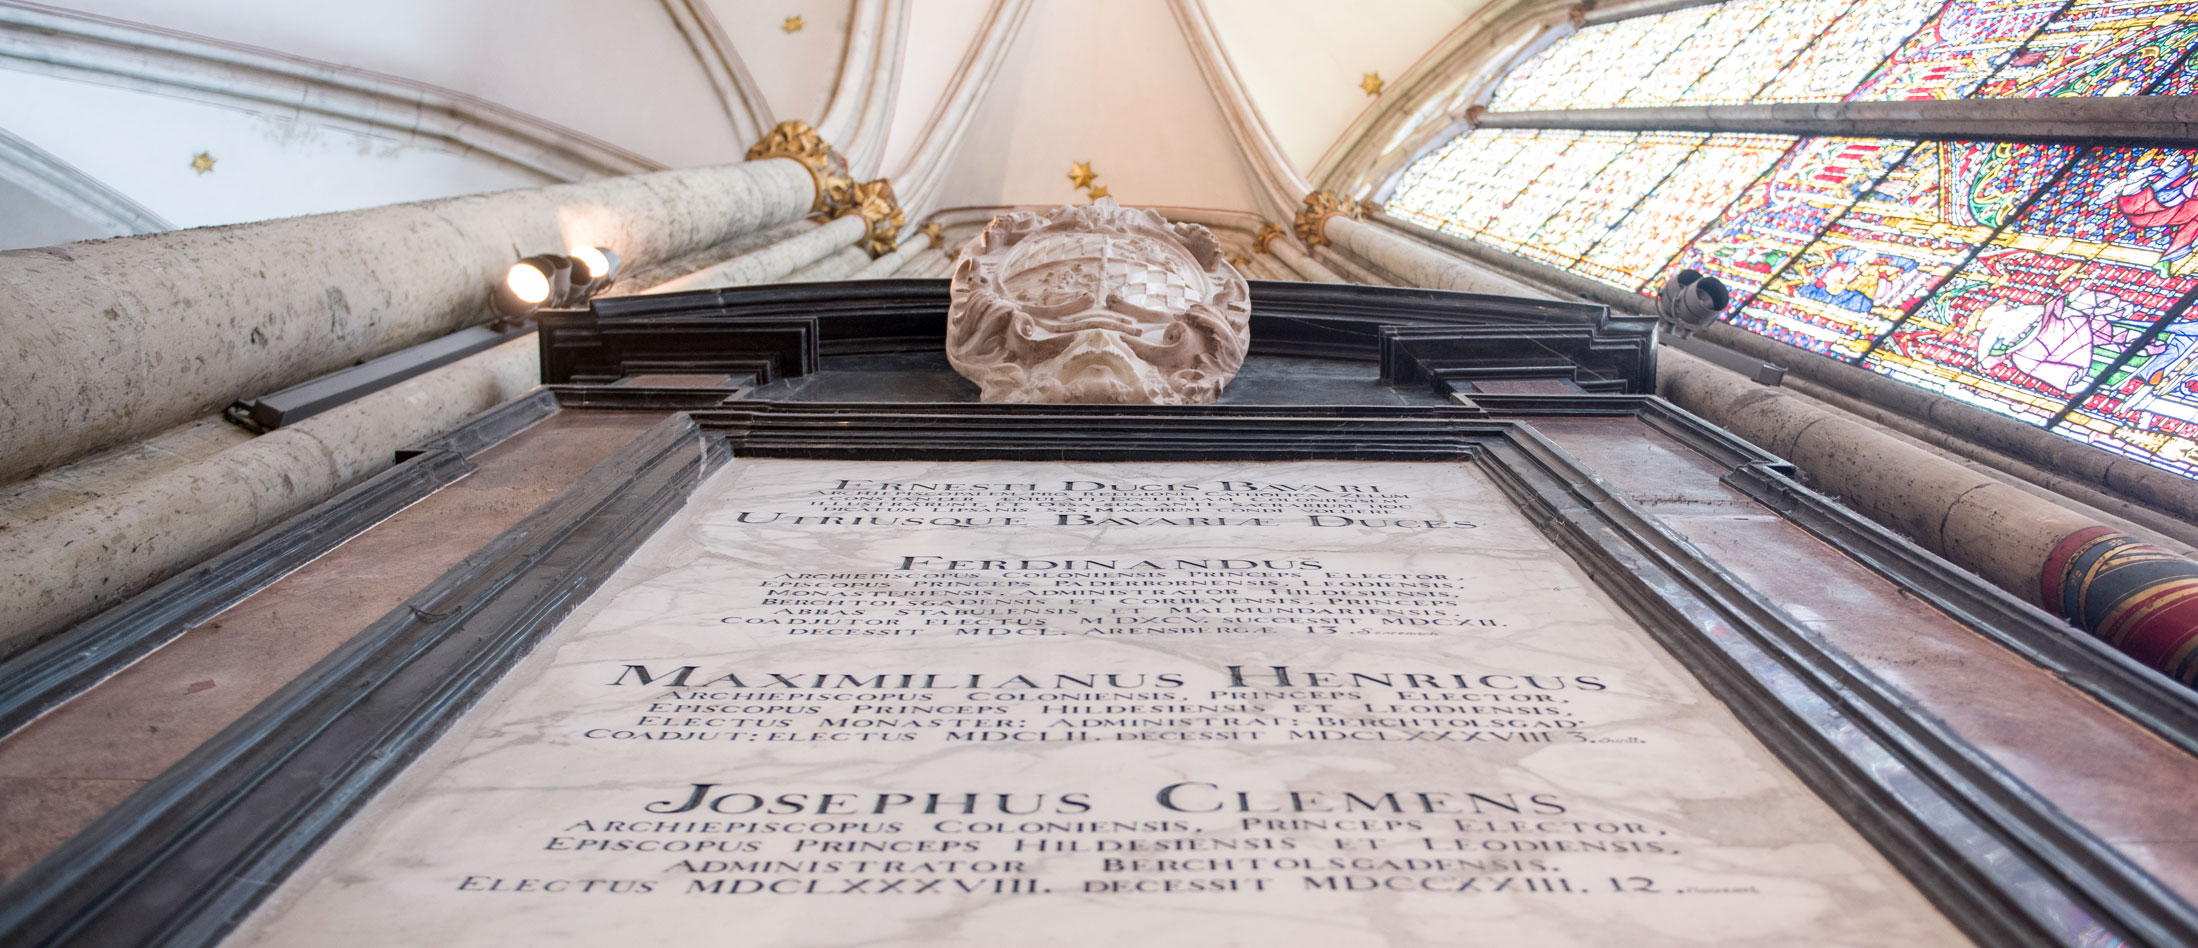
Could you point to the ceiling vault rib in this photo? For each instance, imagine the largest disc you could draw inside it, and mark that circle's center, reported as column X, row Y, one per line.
column 918, row 180
column 860, row 110
column 1279, row 186
column 745, row 106
column 47, row 41
column 67, row 187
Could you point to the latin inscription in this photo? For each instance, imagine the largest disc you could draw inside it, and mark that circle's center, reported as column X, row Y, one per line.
column 1099, row 704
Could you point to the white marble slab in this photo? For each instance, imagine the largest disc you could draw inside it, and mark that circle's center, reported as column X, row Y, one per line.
column 982, row 709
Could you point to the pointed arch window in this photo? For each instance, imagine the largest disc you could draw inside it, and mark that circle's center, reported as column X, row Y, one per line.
column 2051, row 280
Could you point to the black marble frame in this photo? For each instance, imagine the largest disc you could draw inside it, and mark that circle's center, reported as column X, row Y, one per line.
column 184, row 860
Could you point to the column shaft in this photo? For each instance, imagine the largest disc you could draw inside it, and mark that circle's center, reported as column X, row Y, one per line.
column 74, row 562
column 1418, row 265
column 886, row 266
column 773, row 262
column 840, row 265
column 1305, row 266
column 122, row 338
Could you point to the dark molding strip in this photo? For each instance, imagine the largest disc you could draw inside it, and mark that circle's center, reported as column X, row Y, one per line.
column 489, row 429
column 42, row 677
column 2124, row 120
column 2085, row 663
column 183, row 860
column 781, row 330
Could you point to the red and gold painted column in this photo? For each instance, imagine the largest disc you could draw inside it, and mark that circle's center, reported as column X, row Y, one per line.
column 2137, row 597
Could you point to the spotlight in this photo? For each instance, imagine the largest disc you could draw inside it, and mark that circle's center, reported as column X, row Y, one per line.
column 525, row 287
column 600, row 262
column 552, row 280
column 1690, row 301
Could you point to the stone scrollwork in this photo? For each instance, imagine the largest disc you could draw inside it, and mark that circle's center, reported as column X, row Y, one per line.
column 1269, row 231
column 881, row 211
column 1312, row 219
column 1097, row 304
column 796, row 140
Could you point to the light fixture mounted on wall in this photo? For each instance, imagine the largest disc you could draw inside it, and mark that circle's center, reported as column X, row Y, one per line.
column 552, row 280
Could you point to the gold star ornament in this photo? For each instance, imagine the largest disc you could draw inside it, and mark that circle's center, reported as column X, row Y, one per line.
column 1372, row 83
column 1081, row 175
column 202, row 162
column 1099, row 192
column 793, row 24
column 932, row 230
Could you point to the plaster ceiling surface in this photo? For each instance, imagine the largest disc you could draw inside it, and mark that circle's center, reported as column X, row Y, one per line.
column 264, row 166
column 617, row 70
column 1301, row 61
column 940, row 33
column 794, row 71
column 1112, row 84
column 33, row 221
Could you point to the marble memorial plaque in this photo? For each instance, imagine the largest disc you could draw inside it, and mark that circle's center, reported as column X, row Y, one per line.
column 1067, row 704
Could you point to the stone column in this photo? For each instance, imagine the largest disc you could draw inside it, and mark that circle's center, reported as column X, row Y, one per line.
column 122, row 338
column 840, row 265
column 2140, row 598
column 1327, row 218
column 1275, row 242
column 890, row 264
column 1347, row 268
column 773, row 262
column 70, row 564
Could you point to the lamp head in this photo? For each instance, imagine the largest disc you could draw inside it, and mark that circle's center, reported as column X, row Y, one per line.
column 601, row 263
column 1689, row 301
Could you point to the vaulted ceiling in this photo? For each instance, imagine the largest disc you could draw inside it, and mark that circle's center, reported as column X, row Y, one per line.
column 303, row 108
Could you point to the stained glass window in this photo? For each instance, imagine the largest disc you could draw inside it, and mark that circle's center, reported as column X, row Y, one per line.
column 1957, row 50
column 2063, row 290
column 1828, row 69
column 2051, row 283
column 1725, row 27
column 1512, row 226
column 1585, row 67
column 2147, row 408
column 1606, row 197
column 2182, row 80
column 1783, row 212
column 1635, row 252
column 1899, row 242
column 1758, row 57
column 2116, row 47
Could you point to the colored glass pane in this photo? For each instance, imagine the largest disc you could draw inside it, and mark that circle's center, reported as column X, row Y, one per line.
column 2182, row 80
column 1640, row 163
column 2055, row 297
column 1766, row 50
column 1898, row 242
column 1848, row 50
column 1456, row 181
column 2139, row 208
column 1779, row 215
column 1512, row 226
column 1957, row 50
column 1726, row 27
column 2110, row 48
column 2148, row 409
column 1635, row 251
column 1560, row 77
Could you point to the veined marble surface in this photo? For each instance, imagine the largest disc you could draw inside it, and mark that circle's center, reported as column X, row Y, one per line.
column 1012, row 703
